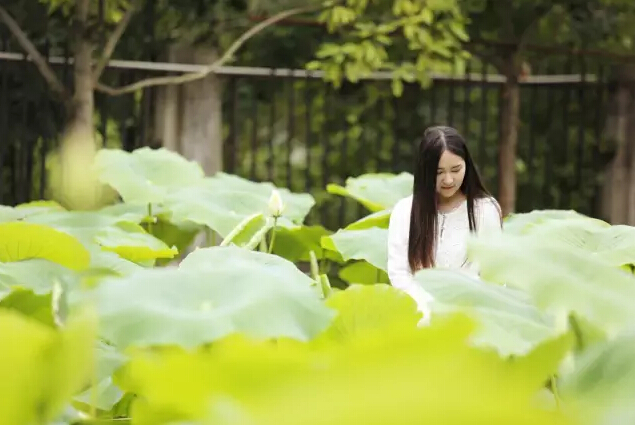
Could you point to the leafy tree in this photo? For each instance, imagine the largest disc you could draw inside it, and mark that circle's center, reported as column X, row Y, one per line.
column 504, row 30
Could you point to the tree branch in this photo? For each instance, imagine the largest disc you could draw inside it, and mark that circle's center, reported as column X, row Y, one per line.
column 37, row 58
column 186, row 78
column 538, row 16
column 491, row 58
column 109, row 48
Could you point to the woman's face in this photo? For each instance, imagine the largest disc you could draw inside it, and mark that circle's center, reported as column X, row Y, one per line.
column 450, row 174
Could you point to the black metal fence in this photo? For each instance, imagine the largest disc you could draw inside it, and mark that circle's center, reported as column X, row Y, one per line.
column 303, row 134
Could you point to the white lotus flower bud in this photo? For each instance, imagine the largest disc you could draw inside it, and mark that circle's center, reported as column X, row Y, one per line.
column 276, row 206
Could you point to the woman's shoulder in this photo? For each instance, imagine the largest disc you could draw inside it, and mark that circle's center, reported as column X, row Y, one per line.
column 488, row 201
column 489, row 205
column 403, row 205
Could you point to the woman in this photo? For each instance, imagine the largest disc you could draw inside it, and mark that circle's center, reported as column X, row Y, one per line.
column 431, row 227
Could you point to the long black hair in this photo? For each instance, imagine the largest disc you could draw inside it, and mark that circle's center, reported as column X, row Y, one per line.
column 423, row 217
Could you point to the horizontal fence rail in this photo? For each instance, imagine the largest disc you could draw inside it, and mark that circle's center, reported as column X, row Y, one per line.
column 302, row 73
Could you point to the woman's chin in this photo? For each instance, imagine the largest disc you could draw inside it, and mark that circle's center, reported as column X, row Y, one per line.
column 447, row 193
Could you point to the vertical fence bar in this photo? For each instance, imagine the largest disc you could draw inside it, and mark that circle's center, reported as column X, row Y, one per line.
column 548, row 153
column 484, row 113
column 272, row 130
column 451, row 97
column 290, row 128
column 395, row 135
column 308, row 139
column 531, row 155
column 19, row 158
column 254, row 132
column 4, row 114
column 581, row 123
column 564, row 199
column 325, row 142
column 233, row 129
column 433, row 103
column 599, row 100
column 467, row 91
column 344, row 157
column 380, row 112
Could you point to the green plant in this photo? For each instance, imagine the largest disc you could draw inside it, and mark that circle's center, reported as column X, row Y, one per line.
column 104, row 319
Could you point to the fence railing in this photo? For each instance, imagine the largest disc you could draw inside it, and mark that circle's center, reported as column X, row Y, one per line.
column 291, row 128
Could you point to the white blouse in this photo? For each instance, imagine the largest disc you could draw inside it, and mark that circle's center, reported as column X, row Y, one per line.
column 451, row 246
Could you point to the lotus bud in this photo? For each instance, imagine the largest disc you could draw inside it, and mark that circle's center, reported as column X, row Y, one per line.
column 276, row 206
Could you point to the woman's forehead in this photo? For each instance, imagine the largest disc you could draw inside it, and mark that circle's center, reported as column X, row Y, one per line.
column 449, row 160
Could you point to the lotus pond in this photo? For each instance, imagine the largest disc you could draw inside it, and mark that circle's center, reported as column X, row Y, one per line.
column 105, row 318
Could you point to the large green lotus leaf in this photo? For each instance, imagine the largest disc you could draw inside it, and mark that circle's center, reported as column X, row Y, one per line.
column 131, row 242
column 374, row 379
column 296, row 243
column 215, row 292
column 223, row 201
column 21, row 241
column 81, row 224
column 296, row 205
column 614, row 245
column 146, row 176
column 559, row 277
column 363, row 309
column 131, row 212
column 110, row 262
column 602, row 385
column 362, row 272
column 21, row 211
column 37, row 275
column 41, row 368
column 376, row 192
column 378, row 219
column 127, row 239
column 507, row 319
column 523, row 223
column 368, row 244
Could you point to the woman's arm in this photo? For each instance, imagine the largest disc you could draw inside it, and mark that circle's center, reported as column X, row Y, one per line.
column 491, row 220
column 398, row 266
column 398, row 231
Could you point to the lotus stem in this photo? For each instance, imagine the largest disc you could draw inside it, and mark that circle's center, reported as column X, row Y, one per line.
column 325, row 284
column 151, row 218
column 273, row 234
column 315, row 267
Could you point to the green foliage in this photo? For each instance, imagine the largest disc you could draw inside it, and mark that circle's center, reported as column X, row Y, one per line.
column 432, row 32
column 237, row 334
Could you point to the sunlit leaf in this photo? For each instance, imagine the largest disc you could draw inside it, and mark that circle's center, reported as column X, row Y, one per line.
column 297, row 242
column 41, row 372
column 602, row 386
column 146, row 175
column 506, row 318
column 376, row 192
column 22, row 241
column 368, row 244
column 559, row 278
column 364, row 309
column 223, row 201
column 366, row 380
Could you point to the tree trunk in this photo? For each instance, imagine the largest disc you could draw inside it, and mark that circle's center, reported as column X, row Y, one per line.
column 510, row 115
column 188, row 118
column 618, row 193
column 78, row 186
